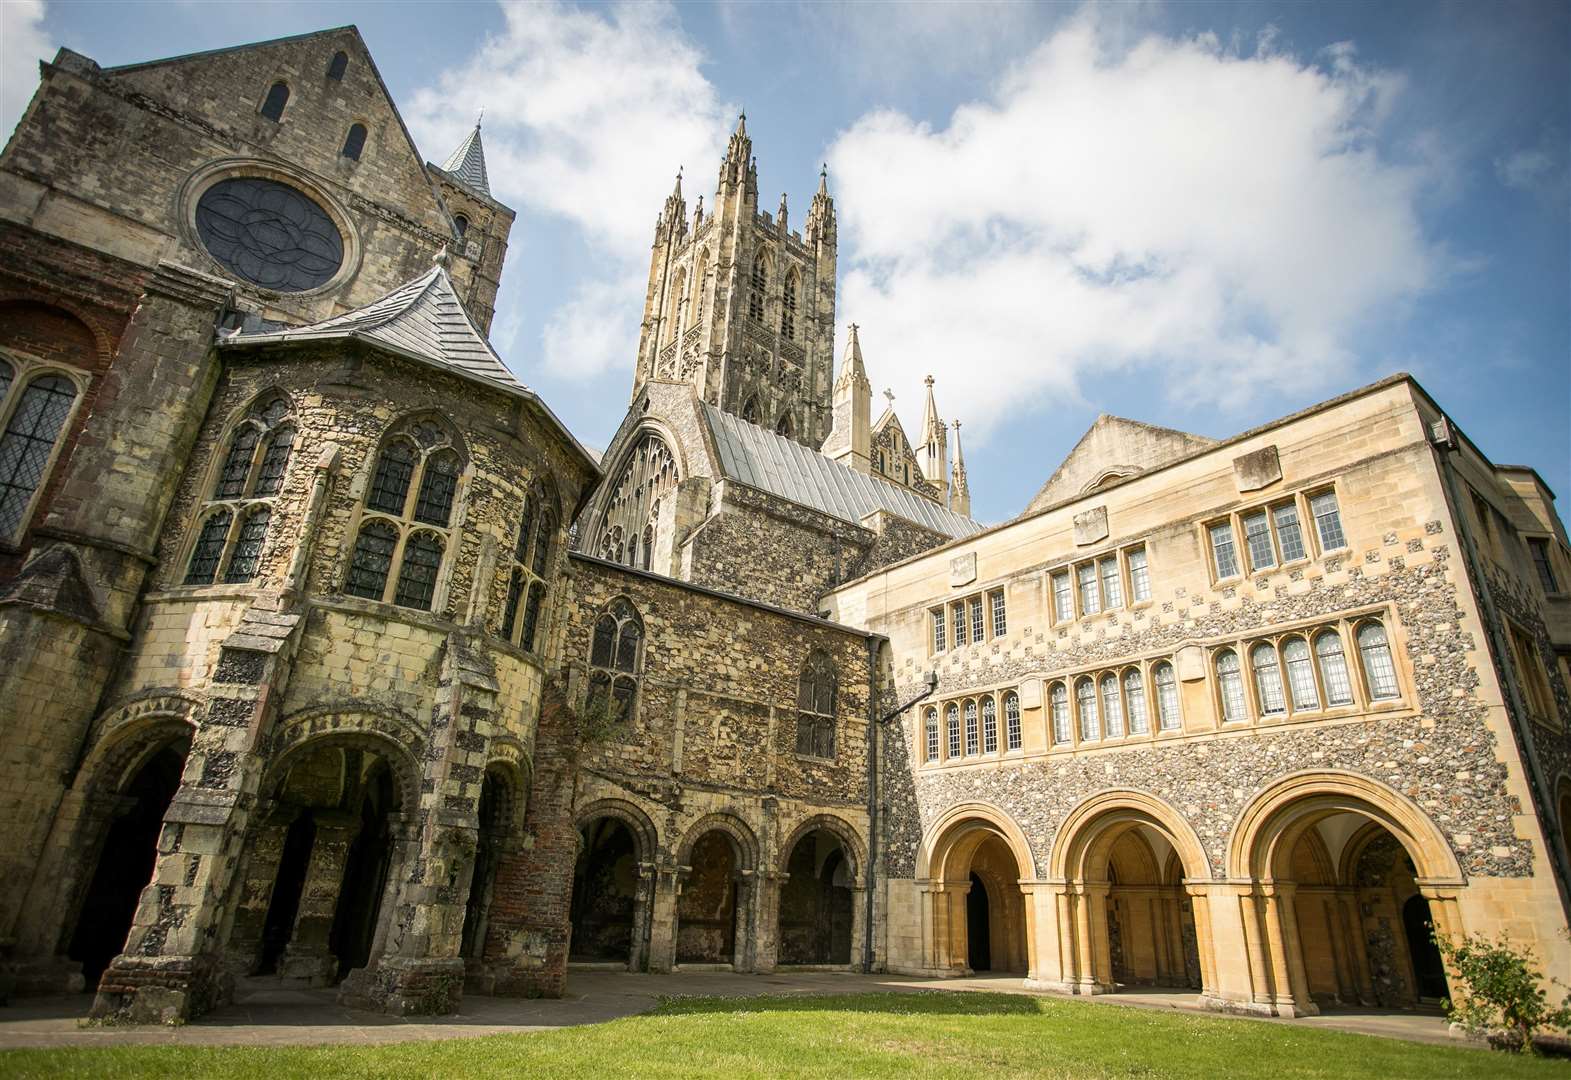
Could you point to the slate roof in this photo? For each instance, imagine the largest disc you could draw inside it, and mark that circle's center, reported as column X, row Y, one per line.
column 775, row 464
column 422, row 319
column 468, row 162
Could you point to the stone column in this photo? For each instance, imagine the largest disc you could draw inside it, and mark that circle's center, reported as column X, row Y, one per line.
column 766, row 889
column 663, row 916
column 1290, row 991
column 257, row 875
column 643, row 904
column 1260, row 974
column 309, row 955
column 1200, row 900
column 1096, row 895
column 859, row 927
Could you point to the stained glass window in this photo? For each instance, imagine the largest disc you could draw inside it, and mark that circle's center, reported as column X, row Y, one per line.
column 275, row 461
column 248, row 547
column 27, row 444
column 394, row 470
column 209, row 549
column 417, row 575
column 438, row 483
column 532, row 607
column 269, row 234
column 237, row 466
column 372, row 560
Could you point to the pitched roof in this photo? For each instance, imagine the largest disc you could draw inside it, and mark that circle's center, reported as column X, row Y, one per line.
column 1114, row 444
column 773, row 463
column 468, row 163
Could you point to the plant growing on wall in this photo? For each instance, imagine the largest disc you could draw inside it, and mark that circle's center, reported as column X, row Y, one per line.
column 1502, row 994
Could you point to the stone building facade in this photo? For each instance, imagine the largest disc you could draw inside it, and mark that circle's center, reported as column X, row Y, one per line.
column 329, row 656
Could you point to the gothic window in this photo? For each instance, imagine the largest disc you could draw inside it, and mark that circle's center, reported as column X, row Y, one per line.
column 269, row 233
column 1085, row 703
column 1166, row 696
column 616, row 659
column 407, row 517
column 1012, row 721
column 788, row 308
column 750, row 410
column 952, row 729
column 1135, row 703
column 34, row 411
column 647, row 476
column 1300, row 674
column 337, row 66
column 971, row 733
column 1379, row 671
column 354, row 142
column 1112, row 708
column 1333, row 668
column 815, row 708
column 1059, row 698
column 1268, row 680
column 757, row 286
column 251, row 474
column 1230, row 683
column 989, row 726
column 273, row 104
column 461, row 226
column 930, row 734
column 527, row 590
column 783, row 428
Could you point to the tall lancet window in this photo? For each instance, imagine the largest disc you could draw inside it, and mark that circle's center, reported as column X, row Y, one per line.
column 231, row 533
column 630, row 521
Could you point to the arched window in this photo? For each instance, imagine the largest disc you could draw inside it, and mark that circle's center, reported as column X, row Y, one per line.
column 526, row 586
column 696, row 316
column 930, row 734
column 788, row 308
column 273, row 104
column 1085, row 703
column 1230, row 684
column 1333, row 668
column 952, row 728
column 1268, row 680
column 989, row 726
column 34, row 412
column 616, row 662
column 750, row 410
column 1112, row 708
column 1379, row 671
column 647, row 475
column 1135, row 703
column 784, row 426
column 1167, row 697
column 407, row 517
column 971, row 740
column 1059, row 697
column 254, row 467
column 354, row 142
column 815, row 707
column 337, row 66
column 1300, row 674
column 649, row 546
column 758, row 286
column 1011, row 721
column 461, row 226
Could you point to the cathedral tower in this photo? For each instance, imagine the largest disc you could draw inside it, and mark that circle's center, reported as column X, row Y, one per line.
column 742, row 308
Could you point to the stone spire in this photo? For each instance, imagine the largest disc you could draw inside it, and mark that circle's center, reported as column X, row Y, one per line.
column 959, row 490
column 737, row 164
column 468, row 162
column 673, row 220
column 780, row 215
column 821, row 214
column 935, row 447
column 851, row 440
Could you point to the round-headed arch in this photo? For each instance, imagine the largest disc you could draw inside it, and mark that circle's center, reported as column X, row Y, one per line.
column 645, row 838
column 392, row 735
column 1267, row 830
column 743, row 842
column 855, row 850
column 130, row 733
column 953, row 838
column 1086, row 837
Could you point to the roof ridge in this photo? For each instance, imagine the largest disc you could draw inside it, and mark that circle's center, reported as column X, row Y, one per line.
column 121, row 68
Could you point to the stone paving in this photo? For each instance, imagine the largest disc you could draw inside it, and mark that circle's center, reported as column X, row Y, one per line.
column 269, row 1013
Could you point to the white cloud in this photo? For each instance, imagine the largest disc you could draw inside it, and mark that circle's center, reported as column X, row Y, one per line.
column 1541, row 169
column 22, row 44
column 582, row 107
column 1220, row 218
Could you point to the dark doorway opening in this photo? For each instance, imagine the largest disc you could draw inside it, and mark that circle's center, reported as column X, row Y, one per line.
column 979, row 952
column 125, row 865
column 280, row 923
column 365, row 877
column 492, row 818
column 1428, row 967
column 605, row 893
column 706, row 910
column 816, row 903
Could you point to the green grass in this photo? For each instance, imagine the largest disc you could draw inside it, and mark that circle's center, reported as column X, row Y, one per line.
column 881, row 1035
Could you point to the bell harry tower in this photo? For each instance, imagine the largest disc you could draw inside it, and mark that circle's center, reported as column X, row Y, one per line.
column 741, row 307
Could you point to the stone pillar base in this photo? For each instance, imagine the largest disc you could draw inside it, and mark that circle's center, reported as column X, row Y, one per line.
column 405, row 987
column 160, row 989
column 40, row 975
column 1241, row 1008
column 314, row 968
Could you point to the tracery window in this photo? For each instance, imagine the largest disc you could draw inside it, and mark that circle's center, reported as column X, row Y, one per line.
column 758, row 285
column 930, row 733
column 35, row 404
column 527, row 591
column 1112, row 708
column 989, row 726
column 1333, row 668
column 1135, row 703
column 1085, row 704
column 788, row 308
column 1012, row 721
column 1268, row 680
column 647, row 476
column 1300, row 674
column 616, row 662
column 815, row 707
column 407, row 517
column 232, row 527
column 1167, row 696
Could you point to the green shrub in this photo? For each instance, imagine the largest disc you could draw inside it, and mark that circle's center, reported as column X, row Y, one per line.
column 1503, row 996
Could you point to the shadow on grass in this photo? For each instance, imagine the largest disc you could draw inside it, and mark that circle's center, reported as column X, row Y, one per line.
column 919, row 1002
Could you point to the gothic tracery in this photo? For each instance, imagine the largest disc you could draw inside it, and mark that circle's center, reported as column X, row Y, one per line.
column 648, row 474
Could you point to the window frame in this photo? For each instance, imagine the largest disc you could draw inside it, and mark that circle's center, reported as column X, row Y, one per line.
column 1072, row 575
column 821, row 665
column 1244, row 555
column 624, row 616
column 540, row 515
column 26, row 370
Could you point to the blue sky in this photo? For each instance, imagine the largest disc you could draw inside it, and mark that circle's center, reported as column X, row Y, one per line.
column 1198, row 215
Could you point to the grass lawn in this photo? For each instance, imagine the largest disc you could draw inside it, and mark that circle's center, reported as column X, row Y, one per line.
column 894, row 1035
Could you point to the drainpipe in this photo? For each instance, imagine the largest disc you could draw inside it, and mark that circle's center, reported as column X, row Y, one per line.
column 875, row 724
column 1444, row 442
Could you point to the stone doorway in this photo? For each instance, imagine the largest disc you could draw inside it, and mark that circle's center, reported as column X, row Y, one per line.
column 604, row 908
column 125, row 862
column 817, row 910
column 707, row 909
column 979, row 943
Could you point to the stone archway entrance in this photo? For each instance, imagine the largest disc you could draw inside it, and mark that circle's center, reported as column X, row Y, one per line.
column 125, row 861
column 976, row 908
column 817, row 902
column 707, row 907
column 605, row 903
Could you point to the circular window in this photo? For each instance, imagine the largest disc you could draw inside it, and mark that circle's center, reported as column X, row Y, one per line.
column 269, row 234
